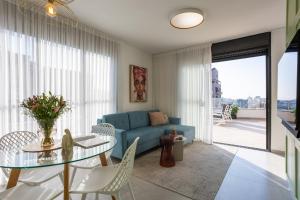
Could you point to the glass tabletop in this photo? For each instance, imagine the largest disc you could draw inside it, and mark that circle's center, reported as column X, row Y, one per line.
column 21, row 159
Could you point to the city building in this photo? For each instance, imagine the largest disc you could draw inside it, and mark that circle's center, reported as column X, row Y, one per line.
column 216, row 84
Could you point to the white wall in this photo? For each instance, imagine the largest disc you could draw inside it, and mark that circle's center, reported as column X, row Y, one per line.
column 131, row 55
column 251, row 113
column 278, row 48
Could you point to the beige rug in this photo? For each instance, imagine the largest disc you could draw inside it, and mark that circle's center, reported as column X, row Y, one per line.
column 198, row 176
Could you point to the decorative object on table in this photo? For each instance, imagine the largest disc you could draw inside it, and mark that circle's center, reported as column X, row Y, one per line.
column 67, row 155
column 138, row 84
column 166, row 157
column 45, row 109
column 158, row 118
column 67, row 142
column 173, row 133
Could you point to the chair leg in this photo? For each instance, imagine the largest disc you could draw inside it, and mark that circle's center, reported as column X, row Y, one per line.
column 72, row 176
column 83, row 196
column 131, row 191
column 109, row 161
column 97, row 196
column 61, row 177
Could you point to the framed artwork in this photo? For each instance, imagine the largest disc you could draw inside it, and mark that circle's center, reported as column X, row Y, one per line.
column 138, row 84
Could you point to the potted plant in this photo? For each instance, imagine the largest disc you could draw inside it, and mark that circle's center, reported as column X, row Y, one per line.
column 45, row 109
column 234, row 111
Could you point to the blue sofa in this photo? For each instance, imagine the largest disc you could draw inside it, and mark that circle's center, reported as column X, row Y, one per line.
column 130, row 125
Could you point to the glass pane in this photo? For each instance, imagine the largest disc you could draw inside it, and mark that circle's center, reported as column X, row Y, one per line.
column 17, row 158
column 287, row 87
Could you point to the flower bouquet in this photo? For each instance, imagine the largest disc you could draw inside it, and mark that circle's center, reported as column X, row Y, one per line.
column 45, row 109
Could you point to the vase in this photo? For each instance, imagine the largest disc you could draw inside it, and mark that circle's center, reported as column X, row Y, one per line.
column 173, row 134
column 47, row 140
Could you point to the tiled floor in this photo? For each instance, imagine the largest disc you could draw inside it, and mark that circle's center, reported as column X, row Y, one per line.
column 255, row 175
column 143, row 190
column 242, row 132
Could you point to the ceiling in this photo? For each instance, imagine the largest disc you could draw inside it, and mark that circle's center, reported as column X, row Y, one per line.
column 145, row 23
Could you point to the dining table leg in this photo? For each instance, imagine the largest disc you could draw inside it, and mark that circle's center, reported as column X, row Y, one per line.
column 103, row 159
column 66, row 181
column 13, row 178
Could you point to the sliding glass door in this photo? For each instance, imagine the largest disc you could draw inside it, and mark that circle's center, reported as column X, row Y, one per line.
column 239, row 102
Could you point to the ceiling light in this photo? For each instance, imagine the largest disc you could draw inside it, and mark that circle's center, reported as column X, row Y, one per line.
column 186, row 18
column 50, row 9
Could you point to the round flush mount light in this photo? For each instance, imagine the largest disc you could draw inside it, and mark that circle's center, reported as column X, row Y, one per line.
column 186, row 18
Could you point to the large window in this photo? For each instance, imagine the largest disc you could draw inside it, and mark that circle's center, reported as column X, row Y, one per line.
column 29, row 65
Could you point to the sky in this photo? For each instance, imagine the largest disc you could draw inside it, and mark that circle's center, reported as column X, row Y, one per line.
column 287, row 76
column 243, row 77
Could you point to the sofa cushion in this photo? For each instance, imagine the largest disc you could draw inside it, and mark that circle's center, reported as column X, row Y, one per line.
column 145, row 134
column 138, row 119
column 118, row 120
column 158, row 118
column 153, row 110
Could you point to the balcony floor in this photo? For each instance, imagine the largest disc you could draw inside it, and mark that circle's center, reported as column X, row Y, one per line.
column 241, row 132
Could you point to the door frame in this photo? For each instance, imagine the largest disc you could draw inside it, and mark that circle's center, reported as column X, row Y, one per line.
column 247, row 47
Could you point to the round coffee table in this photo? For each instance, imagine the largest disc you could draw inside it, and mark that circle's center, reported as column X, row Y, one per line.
column 166, row 156
column 178, row 147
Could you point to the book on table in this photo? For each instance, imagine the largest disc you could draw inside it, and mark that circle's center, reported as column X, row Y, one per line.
column 89, row 141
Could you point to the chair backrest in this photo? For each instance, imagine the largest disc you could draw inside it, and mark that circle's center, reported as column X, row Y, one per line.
column 104, row 129
column 227, row 112
column 14, row 141
column 124, row 170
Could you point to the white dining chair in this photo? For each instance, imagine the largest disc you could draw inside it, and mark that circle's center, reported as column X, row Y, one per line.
column 26, row 192
column 110, row 179
column 14, row 142
column 104, row 129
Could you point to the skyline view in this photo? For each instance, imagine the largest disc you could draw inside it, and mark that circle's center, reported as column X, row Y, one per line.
column 242, row 78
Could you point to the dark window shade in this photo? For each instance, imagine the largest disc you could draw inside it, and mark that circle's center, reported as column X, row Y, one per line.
column 250, row 46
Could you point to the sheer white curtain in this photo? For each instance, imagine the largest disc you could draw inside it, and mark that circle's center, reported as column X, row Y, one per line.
column 39, row 54
column 182, row 87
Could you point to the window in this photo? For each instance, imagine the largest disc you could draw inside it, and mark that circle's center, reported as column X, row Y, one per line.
column 30, row 65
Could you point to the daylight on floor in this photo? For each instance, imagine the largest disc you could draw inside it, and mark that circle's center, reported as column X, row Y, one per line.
column 149, row 100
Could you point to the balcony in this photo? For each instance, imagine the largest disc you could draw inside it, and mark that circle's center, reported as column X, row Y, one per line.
column 249, row 129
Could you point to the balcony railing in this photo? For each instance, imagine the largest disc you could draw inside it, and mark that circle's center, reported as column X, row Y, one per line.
column 250, row 113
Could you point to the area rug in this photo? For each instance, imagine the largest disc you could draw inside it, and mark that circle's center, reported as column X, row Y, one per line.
column 199, row 176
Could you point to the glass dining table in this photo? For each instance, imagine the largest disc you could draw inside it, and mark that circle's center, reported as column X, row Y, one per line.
column 20, row 160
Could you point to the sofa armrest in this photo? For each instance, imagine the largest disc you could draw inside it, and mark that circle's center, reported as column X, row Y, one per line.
column 175, row 120
column 99, row 121
column 121, row 145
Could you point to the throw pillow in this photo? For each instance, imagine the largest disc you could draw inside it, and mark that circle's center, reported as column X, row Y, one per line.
column 158, row 118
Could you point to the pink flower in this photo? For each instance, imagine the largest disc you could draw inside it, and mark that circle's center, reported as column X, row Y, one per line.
column 56, row 110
